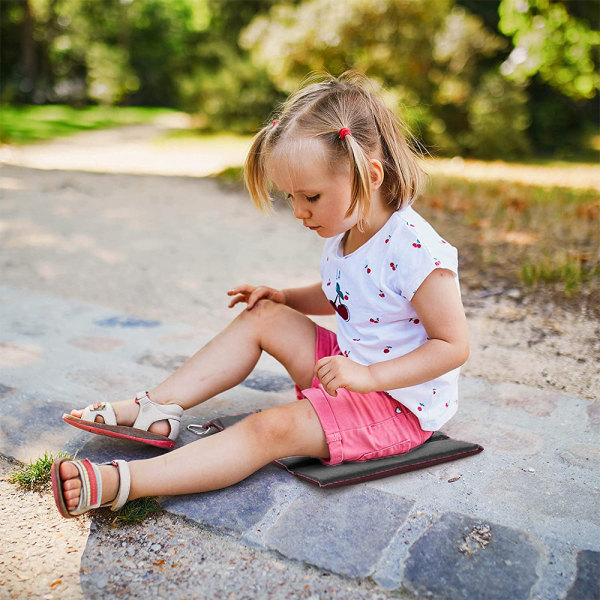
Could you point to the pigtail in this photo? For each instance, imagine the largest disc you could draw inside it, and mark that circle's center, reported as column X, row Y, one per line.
column 403, row 175
column 361, row 189
column 255, row 172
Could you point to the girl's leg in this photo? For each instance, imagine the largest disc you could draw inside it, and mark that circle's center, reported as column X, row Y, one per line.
column 229, row 358
column 219, row 460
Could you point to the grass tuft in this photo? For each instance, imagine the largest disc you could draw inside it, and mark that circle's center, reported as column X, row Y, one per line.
column 570, row 274
column 36, row 475
column 136, row 511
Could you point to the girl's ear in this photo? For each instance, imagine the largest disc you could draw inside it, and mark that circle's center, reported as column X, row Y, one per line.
column 376, row 173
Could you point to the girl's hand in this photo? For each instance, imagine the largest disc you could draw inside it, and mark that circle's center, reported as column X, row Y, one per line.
column 340, row 372
column 251, row 295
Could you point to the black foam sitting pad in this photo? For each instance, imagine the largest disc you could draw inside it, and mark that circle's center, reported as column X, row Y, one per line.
column 437, row 449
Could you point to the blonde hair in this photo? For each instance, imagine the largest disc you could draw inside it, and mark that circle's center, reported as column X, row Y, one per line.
column 319, row 110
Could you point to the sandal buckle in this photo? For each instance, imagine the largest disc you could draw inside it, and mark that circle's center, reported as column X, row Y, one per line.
column 205, row 429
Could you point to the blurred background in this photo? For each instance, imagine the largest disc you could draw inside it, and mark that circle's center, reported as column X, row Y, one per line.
column 507, row 79
column 483, row 84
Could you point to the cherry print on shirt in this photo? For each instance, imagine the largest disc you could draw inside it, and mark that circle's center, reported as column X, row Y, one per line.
column 340, row 309
column 374, row 320
column 421, row 406
column 386, row 350
column 437, row 262
column 417, row 244
column 329, row 282
column 368, row 269
column 347, row 353
column 393, row 266
column 415, row 321
column 388, row 238
column 381, row 294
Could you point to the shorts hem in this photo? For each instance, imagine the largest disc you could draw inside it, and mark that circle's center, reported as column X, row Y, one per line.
column 333, row 437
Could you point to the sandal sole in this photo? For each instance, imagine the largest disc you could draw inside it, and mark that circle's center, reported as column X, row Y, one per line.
column 121, row 431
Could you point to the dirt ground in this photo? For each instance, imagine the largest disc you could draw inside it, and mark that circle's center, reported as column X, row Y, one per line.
column 533, row 342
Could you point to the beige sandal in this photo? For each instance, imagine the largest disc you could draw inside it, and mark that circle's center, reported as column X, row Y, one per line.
column 91, row 487
column 150, row 412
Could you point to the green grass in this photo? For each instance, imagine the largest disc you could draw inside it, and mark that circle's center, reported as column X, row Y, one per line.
column 136, row 511
column 570, row 274
column 29, row 124
column 36, row 475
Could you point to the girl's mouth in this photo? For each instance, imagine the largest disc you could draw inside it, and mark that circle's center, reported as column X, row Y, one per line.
column 313, row 227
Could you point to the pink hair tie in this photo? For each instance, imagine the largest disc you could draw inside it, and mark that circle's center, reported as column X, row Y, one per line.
column 275, row 122
column 344, row 132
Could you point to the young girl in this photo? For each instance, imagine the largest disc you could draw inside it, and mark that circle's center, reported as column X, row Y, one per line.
column 381, row 386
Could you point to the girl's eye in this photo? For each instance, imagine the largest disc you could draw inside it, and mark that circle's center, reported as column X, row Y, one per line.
column 313, row 198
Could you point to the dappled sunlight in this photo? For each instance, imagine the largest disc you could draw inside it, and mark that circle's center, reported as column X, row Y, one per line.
column 47, row 270
column 24, row 234
column 580, row 175
column 12, row 183
column 151, row 149
column 12, row 355
column 516, row 238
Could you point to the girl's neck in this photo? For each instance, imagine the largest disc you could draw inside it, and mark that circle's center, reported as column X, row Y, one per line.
column 380, row 214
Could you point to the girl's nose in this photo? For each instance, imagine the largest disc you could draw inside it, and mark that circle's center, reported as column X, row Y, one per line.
column 301, row 211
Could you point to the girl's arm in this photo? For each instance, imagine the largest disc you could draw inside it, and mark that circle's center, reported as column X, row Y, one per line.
column 439, row 307
column 309, row 300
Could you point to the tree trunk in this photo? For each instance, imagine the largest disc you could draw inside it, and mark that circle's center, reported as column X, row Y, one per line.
column 28, row 53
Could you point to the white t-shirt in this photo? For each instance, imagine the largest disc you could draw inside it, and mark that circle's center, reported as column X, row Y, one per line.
column 371, row 289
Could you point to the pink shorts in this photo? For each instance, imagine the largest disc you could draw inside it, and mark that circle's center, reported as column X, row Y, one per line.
column 360, row 426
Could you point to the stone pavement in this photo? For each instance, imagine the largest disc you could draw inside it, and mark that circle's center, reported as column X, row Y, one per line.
column 110, row 282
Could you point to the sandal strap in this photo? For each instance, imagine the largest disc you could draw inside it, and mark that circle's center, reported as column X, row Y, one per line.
column 150, row 412
column 91, row 486
column 104, row 409
column 124, row 484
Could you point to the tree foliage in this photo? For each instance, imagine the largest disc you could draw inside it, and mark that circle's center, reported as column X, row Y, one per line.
column 500, row 78
column 437, row 61
column 553, row 43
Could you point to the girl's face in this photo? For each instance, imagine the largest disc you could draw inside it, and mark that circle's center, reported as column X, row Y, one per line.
column 320, row 196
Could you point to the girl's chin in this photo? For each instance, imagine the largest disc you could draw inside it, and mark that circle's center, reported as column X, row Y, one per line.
column 327, row 233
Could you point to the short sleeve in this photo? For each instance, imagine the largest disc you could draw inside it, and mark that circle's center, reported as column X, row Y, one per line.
column 416, row 250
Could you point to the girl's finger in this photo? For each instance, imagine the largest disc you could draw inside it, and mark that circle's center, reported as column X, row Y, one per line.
column 234, row 302
column 254, row 297
column 240, row 289
column 332, row 391
column 320, row 365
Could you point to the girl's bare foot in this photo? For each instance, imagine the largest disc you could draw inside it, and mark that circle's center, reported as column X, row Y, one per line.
column 71, row 483
column 126, row 412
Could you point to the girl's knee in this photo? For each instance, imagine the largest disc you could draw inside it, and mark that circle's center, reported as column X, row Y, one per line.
column 273, row 426
column 290, row 430
column 263, row 312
